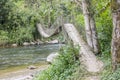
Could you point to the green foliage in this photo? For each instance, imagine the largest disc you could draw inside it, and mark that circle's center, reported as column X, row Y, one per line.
column 3, row 36
column 63, row 67
column 17, row 20
column 104, row 27
column 21, row 35
column 112, row 76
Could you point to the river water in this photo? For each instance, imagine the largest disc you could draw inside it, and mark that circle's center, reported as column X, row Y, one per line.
column 27, row 55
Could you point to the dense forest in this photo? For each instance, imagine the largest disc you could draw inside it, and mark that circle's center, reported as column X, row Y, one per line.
column 97, row 22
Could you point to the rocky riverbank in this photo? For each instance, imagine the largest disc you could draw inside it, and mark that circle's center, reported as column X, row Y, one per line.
column 38, row 42
column 22, row 74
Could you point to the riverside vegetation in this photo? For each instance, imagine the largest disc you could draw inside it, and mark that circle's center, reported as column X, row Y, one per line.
column 64, row 67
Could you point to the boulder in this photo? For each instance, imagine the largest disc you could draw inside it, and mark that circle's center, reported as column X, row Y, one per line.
column 32, row 43
column 26, row 44
column 54, row 41
column 51, row 57
column 38, row 42
column 14, row 45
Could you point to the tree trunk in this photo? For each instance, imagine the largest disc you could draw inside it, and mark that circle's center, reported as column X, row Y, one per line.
column 115, row 47
column 90, row 27
column 87, row 56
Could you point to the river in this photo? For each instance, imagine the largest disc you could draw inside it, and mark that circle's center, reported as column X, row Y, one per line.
column 16, row 59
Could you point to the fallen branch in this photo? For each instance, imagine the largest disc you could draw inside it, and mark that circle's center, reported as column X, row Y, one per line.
column 47, row 32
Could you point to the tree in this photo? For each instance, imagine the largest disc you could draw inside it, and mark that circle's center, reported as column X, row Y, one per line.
column 4, row 11
column 90, row 27
column 87, row 57
column 115, row 47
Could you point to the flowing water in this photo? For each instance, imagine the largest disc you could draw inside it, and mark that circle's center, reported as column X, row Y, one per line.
column 29, row 55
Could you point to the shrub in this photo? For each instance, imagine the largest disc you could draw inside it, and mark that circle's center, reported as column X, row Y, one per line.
column 3, row 36
column 63, row 67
